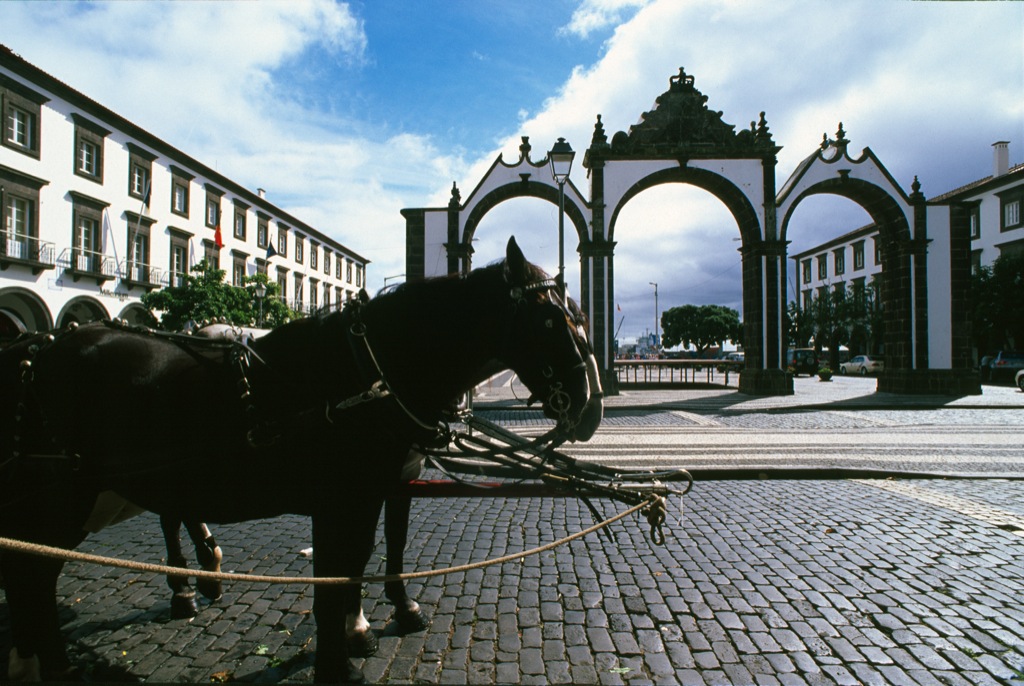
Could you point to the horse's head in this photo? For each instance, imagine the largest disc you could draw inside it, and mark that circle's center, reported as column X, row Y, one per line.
column 549, row 348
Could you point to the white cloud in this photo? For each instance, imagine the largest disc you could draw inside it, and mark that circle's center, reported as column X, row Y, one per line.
column 595, row 15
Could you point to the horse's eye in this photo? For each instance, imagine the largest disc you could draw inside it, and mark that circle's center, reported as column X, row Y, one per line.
column 549, row 324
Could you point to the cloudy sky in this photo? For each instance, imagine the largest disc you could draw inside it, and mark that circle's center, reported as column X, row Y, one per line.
column 347, row 112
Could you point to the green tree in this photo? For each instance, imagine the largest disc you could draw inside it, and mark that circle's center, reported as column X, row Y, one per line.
column 701, row 326
column 205, row 296
column 997, row 308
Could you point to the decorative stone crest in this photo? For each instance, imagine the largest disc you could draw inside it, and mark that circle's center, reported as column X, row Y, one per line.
column 681, row 125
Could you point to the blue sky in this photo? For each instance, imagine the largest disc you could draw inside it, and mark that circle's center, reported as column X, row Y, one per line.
column 348, row 112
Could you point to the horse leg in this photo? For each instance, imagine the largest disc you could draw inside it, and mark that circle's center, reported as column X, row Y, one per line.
column 408, row 614
column 209, row 555
column 38, row 647
column 183, row 600
column 341, row 547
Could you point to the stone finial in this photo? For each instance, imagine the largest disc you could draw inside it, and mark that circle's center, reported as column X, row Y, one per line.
column 525, row 148
column 599, row 138
column 456, row 199
column 763, row 135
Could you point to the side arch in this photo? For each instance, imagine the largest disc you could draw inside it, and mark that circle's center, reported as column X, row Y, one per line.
column 525, row 189
column 81, row 310
column 137, row 314
column 904, row 275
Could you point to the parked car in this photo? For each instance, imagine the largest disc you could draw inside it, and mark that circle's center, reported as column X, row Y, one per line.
column 802, row 361
column 863, row 365
column 735, row 357
column 1002, row 366
column 1020, row 380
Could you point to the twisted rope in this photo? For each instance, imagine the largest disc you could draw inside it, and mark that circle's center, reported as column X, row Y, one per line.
column 75, row 556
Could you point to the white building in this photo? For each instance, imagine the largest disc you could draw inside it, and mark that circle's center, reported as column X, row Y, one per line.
column 854, row 259
column 97, row 211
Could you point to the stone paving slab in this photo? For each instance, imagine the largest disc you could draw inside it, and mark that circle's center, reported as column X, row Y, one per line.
column 764, row 582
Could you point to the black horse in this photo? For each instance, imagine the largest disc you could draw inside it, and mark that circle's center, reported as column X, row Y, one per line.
column 315, row 418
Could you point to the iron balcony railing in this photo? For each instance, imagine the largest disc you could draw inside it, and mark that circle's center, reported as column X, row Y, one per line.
column 87, row 263
column 142, row 274
column 25, row 248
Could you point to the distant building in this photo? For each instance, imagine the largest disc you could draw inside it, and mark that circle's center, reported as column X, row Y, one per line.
column 97, row 211
column 854, row 259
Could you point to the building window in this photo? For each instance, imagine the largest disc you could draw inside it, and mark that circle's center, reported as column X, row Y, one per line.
column 327, row 262
column 213, row 196
column 89, row 138
column 299, row 246
column 313, row 289
column 313, row 250
column 262, row 230
column 240, row 212
column 359, row 276
column 337, row 268
column 282, row 283
column 327, row 296
column 808, row 298
column 282, row 240
column 179, row 260
column 140, row 172
column 339, row 296
column 840, row 260
column 21, row 111
column 806, row 269
column 138, row 242
column 974, row 219
column 180, row 183
column 298, row 292
column 878, row 249
column 858, row 255
column 86, row 253
column 975, row 261
column 238, row 271
column 211, row 254
column 1010, row 204
column 20, row 228
column 822, row 267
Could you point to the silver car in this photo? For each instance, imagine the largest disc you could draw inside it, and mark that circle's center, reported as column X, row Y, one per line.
column 863, row 365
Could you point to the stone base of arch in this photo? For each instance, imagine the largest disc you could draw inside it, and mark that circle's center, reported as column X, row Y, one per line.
column 951, row 382
column 766, row 382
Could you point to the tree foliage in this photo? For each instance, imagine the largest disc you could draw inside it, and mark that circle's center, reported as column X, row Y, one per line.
column 699, row 325
column 842, row 316
column 997, row 305
column 205, row 296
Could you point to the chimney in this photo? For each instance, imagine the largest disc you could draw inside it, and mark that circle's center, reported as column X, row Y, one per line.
column 263, row 194
column 1000, row 158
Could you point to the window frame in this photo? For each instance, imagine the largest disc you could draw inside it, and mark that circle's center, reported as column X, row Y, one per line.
column 15, row 96
column 183, row 180
column 300, row 241
column 239, row 226
column 262, row 230
column 140, row 173
column 858, row 256
column 314, row 249
column 214, row 196
column 1010, row 208
column 178, row 240
column 839, row 261
column 282, row 239
column 89, row 133
column 822, row 266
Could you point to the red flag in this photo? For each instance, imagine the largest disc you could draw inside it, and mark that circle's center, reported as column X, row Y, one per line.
column 217, row 239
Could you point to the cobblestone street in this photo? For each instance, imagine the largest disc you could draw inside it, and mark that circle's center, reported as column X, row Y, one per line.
column 913, row 581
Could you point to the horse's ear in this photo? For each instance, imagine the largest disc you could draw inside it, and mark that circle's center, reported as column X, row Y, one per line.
column 515, row 263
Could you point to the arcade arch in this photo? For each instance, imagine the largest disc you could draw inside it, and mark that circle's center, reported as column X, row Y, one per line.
column 81, row 310
column 22, row 310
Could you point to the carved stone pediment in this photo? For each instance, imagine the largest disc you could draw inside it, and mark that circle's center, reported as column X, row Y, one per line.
column 681, row 125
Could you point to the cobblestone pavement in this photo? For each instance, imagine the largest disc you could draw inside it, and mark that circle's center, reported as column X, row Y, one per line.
column 760, row 582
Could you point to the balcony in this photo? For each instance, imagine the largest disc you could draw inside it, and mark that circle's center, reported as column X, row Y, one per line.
column 143, row 276
column 87, row 264
column 25, row 250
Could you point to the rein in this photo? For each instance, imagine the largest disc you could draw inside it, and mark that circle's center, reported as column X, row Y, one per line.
column 654, row 503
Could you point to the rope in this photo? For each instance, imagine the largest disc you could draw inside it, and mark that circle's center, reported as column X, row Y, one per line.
column 75, row 556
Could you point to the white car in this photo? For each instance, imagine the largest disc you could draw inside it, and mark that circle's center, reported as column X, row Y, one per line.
column 863, row 365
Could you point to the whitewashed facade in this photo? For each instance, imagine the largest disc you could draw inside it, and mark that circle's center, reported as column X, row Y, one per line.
column 97, row 211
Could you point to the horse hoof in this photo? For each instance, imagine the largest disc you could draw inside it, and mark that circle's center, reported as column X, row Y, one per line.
column 211, row 590
column 411, row 621
column 184, row 606
column 363, row 644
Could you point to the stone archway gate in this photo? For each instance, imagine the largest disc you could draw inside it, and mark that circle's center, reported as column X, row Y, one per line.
column 680, row 140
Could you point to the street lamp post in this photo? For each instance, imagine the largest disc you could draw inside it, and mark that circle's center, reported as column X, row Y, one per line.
column 656, row 337
column 560, row 157
column 260, row 291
